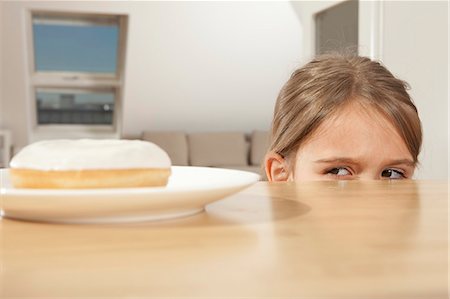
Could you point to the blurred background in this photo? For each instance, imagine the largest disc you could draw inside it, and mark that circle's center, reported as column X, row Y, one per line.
column 101, row 69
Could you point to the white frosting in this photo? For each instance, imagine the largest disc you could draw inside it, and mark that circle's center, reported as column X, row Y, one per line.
column 91, row 154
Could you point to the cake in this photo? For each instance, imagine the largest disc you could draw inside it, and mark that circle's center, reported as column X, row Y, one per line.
column 90, row 163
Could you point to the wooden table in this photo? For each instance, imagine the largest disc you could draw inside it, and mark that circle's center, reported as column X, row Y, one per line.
column 280, row 240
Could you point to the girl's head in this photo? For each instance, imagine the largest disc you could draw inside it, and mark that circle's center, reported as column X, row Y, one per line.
column 343, row 117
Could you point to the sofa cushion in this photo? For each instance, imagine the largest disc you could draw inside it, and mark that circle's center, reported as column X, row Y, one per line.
column 174, row 143
column 259, row 146
column 217, row 149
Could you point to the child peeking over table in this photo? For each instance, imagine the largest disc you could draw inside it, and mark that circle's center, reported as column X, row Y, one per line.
column 343, row 117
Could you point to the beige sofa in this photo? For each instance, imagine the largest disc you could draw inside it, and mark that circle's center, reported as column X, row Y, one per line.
column 234, row 150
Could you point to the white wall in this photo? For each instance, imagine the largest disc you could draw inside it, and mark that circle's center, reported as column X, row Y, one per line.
column 415, row 48
column 14, row 109
column 1, row 65
column 210, row 66
column 189, row 65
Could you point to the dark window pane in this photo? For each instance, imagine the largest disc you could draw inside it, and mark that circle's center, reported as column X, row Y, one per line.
column 337, row 28
column 75, row 47
column 74, row 107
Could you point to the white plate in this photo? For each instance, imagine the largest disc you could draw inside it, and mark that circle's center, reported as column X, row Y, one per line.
column 188, row 191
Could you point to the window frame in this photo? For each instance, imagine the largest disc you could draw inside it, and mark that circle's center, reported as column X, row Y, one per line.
column 76, row 80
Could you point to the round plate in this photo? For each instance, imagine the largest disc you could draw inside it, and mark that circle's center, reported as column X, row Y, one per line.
column 188, row 191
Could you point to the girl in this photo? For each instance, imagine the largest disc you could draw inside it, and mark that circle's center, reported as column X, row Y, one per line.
column 343, row 117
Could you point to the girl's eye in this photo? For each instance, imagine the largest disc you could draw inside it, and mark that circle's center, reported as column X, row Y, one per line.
column 339, row 171
column 392, row 174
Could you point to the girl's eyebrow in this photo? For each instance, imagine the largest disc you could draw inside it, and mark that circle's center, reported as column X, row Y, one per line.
column 346, row 160
column 337, row 160
column 407, row 162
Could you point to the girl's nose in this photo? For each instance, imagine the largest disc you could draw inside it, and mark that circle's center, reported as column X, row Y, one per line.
column 369, row 175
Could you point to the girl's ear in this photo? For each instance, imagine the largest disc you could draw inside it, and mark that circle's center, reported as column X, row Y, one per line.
column 276, row 168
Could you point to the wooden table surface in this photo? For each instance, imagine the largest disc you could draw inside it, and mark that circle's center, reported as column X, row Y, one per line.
column 272, row 240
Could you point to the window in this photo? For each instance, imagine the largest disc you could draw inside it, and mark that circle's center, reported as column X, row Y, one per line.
column 76, row 106
column 337, row 28
column 77, row 64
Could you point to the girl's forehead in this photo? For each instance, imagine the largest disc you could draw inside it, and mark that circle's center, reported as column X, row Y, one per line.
column 358, row 115
column 356, row 130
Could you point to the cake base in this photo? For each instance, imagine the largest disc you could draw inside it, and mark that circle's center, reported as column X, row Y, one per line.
column 87, row 179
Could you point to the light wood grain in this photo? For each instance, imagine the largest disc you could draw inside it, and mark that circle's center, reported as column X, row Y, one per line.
column 310, row 240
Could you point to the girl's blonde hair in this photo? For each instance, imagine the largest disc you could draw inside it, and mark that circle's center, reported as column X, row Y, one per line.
column 329, row 82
